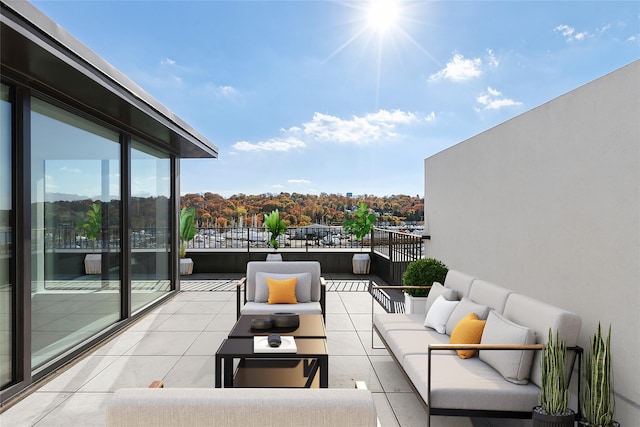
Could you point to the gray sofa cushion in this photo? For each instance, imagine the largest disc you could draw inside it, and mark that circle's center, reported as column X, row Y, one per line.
column 459, row 282
column 262, row 308
column 303, row 285
column 513, row 365
column 486, row 293
column 437, row 289
column 286, row 267
column 464, row 308
column 404, row 343
column 386, row 322
column 540, row 316
column 468, row 384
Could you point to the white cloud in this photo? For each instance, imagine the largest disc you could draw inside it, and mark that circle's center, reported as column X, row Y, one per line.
column 491, row 100
column 459, row 69
column 299, row 181
column 359, row 130
column 430, row 117
column 569, row 33
column 493, row 61
column 167, row 61
column 274, row 144
column 224, row 91
column 634, row 38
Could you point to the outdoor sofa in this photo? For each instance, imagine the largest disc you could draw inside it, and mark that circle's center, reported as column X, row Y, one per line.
column 502, row 378
column 252, row 291
column 241, row 407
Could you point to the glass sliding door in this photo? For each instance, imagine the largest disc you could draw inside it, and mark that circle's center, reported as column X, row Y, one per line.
column 150, row 225
column 75, row 230
column 6, row 242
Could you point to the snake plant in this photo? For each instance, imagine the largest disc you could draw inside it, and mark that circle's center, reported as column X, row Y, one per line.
column 554, row 394
column 597, row 395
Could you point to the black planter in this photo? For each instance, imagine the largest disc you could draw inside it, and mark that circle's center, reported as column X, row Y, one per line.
column 540, row 419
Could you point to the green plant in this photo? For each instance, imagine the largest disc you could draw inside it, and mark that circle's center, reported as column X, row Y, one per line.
column 423, row 272
column 187, row 228
column 276, row 228
column 361, row 223
column 92, row 224
column 554, row 393
column 598, row 404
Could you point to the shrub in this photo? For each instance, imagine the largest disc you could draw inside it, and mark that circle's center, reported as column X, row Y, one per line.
column 423, row 272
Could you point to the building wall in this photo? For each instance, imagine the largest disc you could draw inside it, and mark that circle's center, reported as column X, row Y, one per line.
column 548, row 204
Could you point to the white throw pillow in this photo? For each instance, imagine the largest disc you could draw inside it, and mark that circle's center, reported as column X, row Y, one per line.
column 303, row 285
column 436, row 290
column 439, row 313
column 513, row 365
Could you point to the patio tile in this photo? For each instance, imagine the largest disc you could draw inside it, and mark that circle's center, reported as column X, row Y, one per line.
column 389, row 374
column 339, row 322
column 161, row 343
column 192, row 371
column 120, row 344
column 85, row 408
column 32, row 408
column 186, row 322
column 201, row 307
column 222, row 322
column 365, row 339
column 150, row 322
column 131, row 371
column 344, row 343
column 384, row 411
column 79, row 374
column 207, row 343
column 344, row 371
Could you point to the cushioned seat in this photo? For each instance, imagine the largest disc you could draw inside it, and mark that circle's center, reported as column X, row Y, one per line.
column 263, row 278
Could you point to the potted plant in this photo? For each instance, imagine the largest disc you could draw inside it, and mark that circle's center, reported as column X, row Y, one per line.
column 359, row 226
column 598, row 404
column 91, row 225
column 421, row 272
column 276, row 228
column 553, row 399
column 187, row 232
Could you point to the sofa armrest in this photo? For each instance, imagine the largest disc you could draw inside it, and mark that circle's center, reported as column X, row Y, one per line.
column 239, row 287
column 323, row 297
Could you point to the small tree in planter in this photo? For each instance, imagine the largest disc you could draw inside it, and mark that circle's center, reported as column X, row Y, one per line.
column 187, row 233
column 554, row 393
column 421, row 272
column 91, row 225
column 598, row 404
column 276, row 228
column 359, row 226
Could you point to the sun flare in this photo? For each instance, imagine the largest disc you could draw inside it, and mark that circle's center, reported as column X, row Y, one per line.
column 383, row 14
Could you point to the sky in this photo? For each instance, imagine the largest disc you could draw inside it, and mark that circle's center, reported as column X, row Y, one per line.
column 350, row 96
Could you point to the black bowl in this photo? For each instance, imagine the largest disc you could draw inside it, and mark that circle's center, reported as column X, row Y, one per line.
column 261, row 323
column 285, row 320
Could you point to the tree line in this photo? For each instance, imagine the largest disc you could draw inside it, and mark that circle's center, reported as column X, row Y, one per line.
column 213, row 210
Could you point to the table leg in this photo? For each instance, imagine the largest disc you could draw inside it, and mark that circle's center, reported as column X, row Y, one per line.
column 218, row 371
column 324, row 371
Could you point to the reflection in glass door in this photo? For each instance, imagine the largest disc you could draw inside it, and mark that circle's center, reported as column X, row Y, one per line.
column 75, row 179
column 150, row 225
column 6, row 242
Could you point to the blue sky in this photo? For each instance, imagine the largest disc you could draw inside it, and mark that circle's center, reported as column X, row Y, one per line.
column 321, row 97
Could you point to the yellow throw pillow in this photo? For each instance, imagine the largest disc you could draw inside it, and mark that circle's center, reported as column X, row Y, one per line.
column 282, row 291
column 467, row 331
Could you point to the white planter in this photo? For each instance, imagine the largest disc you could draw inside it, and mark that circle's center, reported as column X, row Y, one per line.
column 93, row 264
column 415, row 305
column 274, row 257
column 361, row 263
column 186, row 266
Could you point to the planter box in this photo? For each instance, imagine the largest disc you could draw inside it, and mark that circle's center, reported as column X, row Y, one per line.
column 274, row 257
column 186, row 266
column 415, row 305
column 361, row 263
column 93, row 264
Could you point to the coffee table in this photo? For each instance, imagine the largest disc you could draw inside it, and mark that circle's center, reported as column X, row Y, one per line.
column 274, row 369
column 311, row 326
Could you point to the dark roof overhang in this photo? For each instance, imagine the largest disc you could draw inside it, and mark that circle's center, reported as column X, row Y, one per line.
column 39, row 51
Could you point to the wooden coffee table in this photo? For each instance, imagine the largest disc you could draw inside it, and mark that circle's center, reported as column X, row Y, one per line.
column 274, row 369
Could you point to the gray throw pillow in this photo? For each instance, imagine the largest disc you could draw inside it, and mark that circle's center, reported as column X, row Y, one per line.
column 513, row 365
column 303, row 285
column 463, row 309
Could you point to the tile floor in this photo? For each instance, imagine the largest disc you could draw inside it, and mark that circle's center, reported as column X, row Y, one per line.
column 177, row 342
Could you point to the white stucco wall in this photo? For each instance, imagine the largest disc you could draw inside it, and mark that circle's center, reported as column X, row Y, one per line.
column 548, row 204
